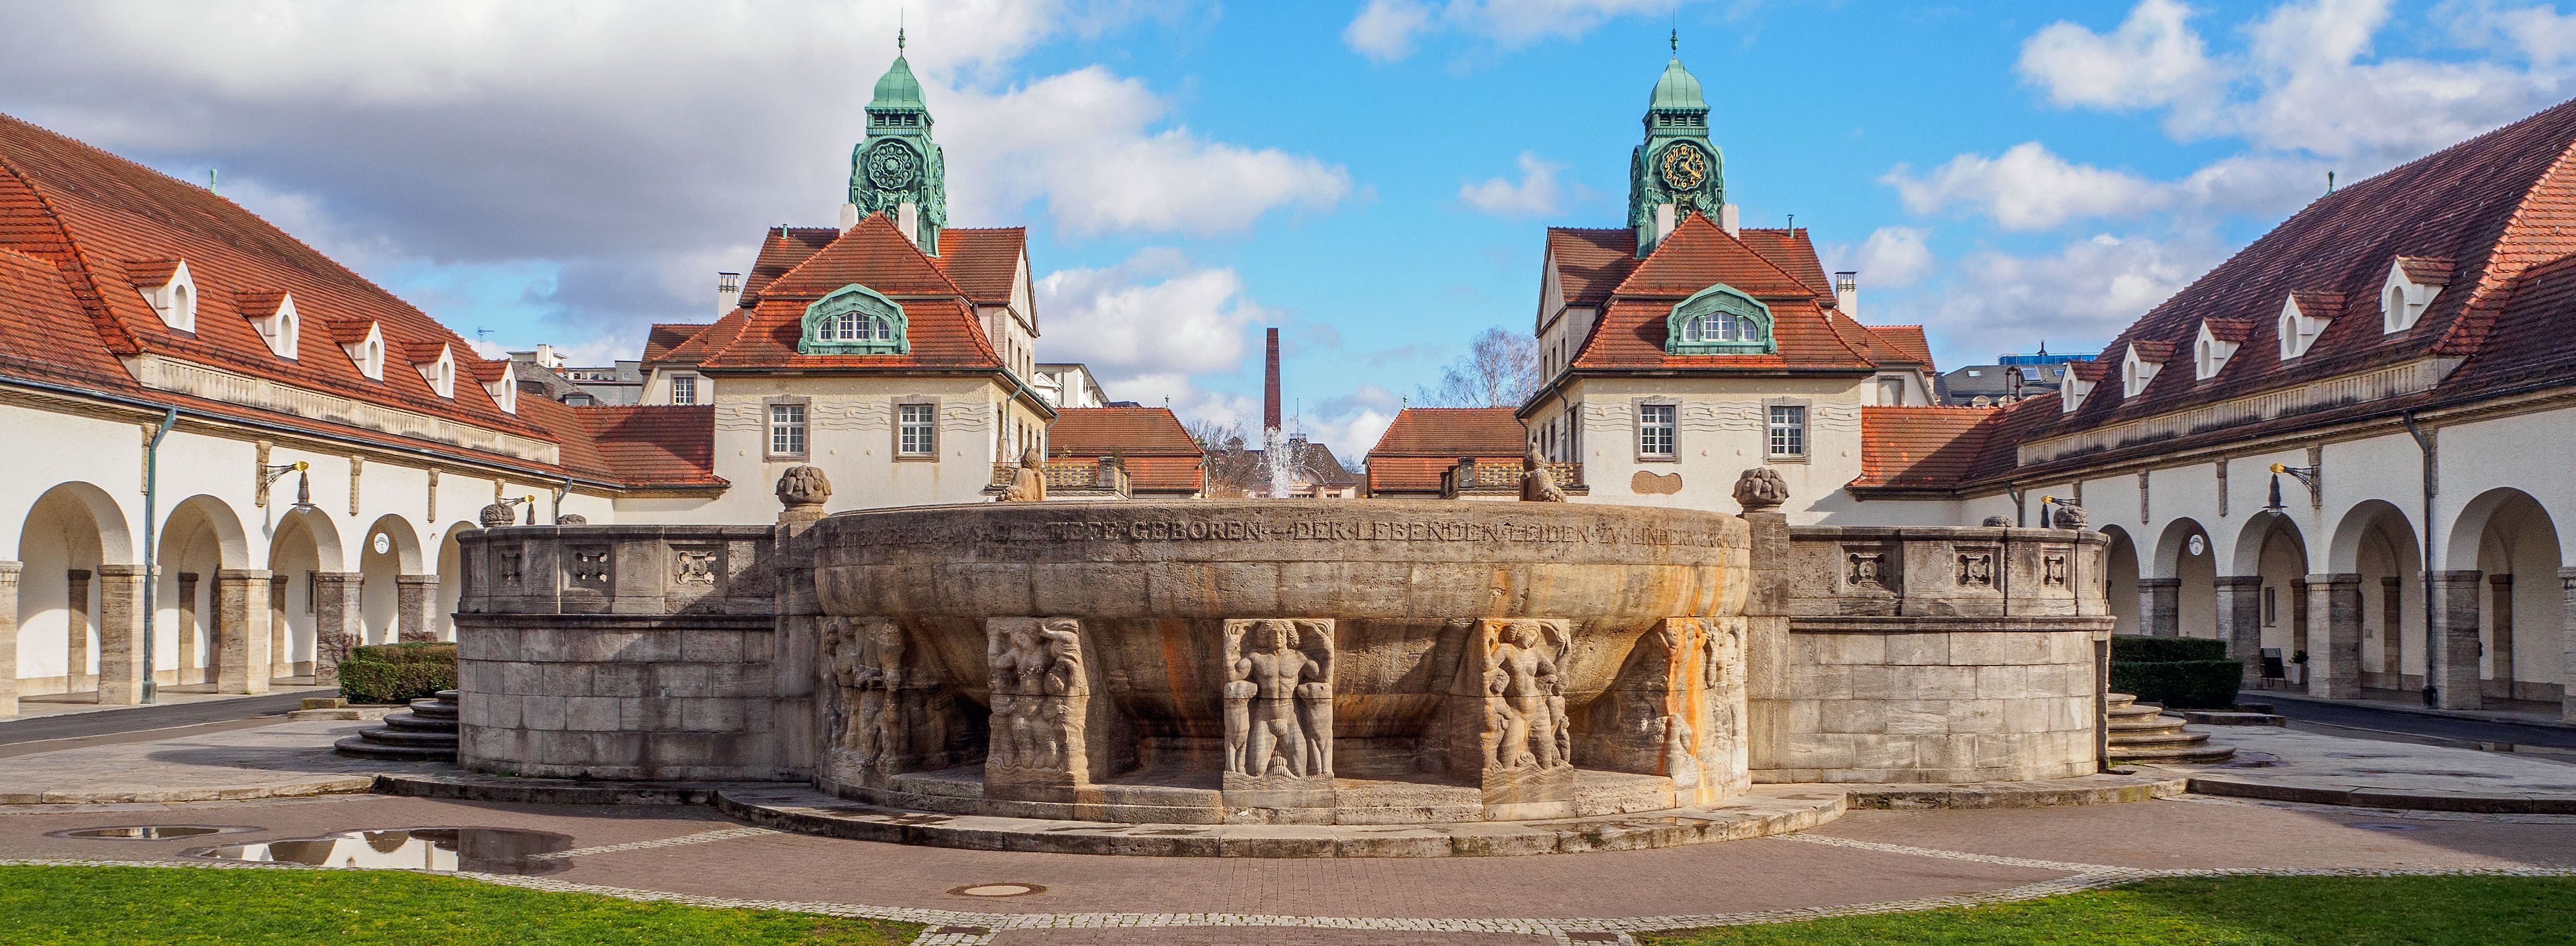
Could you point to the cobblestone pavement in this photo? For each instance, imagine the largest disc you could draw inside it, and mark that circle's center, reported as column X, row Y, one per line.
column 1869, row 861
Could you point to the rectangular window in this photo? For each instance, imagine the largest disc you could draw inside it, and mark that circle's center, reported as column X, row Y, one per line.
column 787, row 430
column 1655, row 429
column 684, row 389
column 1788, row 431
column 2271, row 608
column 917, row 428
column 312, row 591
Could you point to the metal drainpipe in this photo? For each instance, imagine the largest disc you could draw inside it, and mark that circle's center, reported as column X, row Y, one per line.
column 152, row 549
column 2432, row 636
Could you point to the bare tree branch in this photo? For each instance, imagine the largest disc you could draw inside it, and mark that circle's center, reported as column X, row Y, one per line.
column 1500, row 369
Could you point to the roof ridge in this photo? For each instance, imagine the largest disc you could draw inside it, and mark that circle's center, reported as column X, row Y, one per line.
column 926, row 259
column 1667, row 242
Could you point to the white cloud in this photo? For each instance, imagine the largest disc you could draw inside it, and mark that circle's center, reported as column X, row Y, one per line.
column 2152, row 59
column 2089, row 289
column 1384, row 29
column 2026, row 188
column 1892, row 258
column 1148, row 322
column 1536, row 194
column 1083, row 141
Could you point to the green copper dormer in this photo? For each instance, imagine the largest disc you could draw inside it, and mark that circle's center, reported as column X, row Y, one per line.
column 898, row 163
column 1677, row 164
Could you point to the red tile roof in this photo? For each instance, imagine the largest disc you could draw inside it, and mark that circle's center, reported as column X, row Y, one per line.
column 985, row 262
column 874, row 254
column 1920, row 447
column 1590, row 263
column 1807, row 333
column 654, row 445
column 1908, row 340
column 1792, row 252
column 2231, row 330
column 1452, row 432
column 781, row 249
column 665, row 336
column 940, row 322
column 1127, row 431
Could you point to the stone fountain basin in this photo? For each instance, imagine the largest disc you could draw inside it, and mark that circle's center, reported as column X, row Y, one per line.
column 1404, row 580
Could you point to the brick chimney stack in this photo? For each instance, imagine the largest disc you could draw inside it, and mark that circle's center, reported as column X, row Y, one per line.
column 1270, row 387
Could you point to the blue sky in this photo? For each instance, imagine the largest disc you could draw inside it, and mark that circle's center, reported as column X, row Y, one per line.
column 1373, row 177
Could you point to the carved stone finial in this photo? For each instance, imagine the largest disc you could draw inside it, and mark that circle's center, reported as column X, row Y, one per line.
column 572, row 519
column 1537, row 484
column 1998, row 522
column 1028, row 483
column 1761, row 489
column 2069, row 516
column 803, row 490
column 497, row 515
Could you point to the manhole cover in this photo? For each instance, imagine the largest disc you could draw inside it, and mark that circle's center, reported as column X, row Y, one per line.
column 445, row 850
column 2385, row 826
column 996, row 890
column 148, row 832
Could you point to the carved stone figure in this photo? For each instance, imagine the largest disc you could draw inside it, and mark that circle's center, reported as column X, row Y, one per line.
column 2069, row 516
column 1760, row 489
column 497, row 515
column 1998, row 522
column 1028, row 483
column 803, row 490
column 1279, row 698
column 1523, row 684
column 572, row 519
column 885, row 718
column 1036, row 666
column 1537, row 484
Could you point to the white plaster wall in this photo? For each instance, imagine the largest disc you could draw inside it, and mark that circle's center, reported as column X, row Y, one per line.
column 850, row 434
column 1723, row 431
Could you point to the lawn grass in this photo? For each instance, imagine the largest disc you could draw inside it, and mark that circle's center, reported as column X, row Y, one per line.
column 2212, row 911
column 93, row 905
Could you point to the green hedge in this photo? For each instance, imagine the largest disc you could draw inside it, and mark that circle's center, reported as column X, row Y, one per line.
column 2179, row 684
column 397, row 673
column 2139, row 648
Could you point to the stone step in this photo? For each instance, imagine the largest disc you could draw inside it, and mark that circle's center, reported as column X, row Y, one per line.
column 355, row 746
column 414, row 722
column 2160, row 724
column 448, row 697
column 397, row 737
column 2158, row 740
column 2203, row 755
column 434, row 709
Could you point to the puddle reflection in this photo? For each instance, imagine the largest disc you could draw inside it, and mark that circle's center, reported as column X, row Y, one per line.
column 446, row 850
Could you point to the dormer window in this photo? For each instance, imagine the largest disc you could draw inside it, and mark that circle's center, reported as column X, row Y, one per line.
column 501, row 380
column 2072, row 394
column 2303, row 317
column 2218, row 341
column 2139, row 367
column 854, row 320
column 273, row 314
column 169, row 289
column 365, row 344
column 1719, row 320
column 2412, row 284
column 437, row 365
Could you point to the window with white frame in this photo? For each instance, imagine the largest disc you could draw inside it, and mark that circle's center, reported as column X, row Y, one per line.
column 1656, row 426
column 1788, row 428
column 916, row 430
column 684, row 389
column 856, row 327
column 787, row 430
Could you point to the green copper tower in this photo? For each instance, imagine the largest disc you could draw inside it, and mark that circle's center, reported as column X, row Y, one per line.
column 1676, row 165
column 898, row 164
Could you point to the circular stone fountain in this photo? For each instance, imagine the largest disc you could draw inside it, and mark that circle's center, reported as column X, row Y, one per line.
column 1565, row 668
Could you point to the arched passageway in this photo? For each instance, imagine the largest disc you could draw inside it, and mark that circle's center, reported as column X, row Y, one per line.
column 451, row 582
column 2181, row 600
column 204, row 609
column 303, row 551
column 2376, row 545
column 73, row 537
column 387, row 566
column 2268, row 587
column 2500, row 604
column 2120, row 575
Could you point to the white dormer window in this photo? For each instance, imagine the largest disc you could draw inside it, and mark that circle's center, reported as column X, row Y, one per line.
column 505, row 389
column 2300, row 325
column 2072, row 394
column 2135, row 372
column 368, row 352
column 440, row 372
column 170, row 290
column 2412, row 284
column 2210, row 353
column 279, row 326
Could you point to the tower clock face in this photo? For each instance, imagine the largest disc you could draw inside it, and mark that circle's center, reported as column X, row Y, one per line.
column 1685, row 166
column 892, row 166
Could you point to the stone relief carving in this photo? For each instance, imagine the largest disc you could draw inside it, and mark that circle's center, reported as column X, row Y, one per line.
column 802, row 491
column 588, row 568
column 1279, row 698
column 1655, row 484
column 888, row 716
column 1523, row 686
column 497, row 515
column 690, row 567
column 2069, row 516
column 1036, row 670
column 1537, row 484
column 1863, row 569
column 1976, row 568
column 507, row 563
column 1760, row 489
column 2052, row 569
column 1998, row 522
column 1028, row 483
